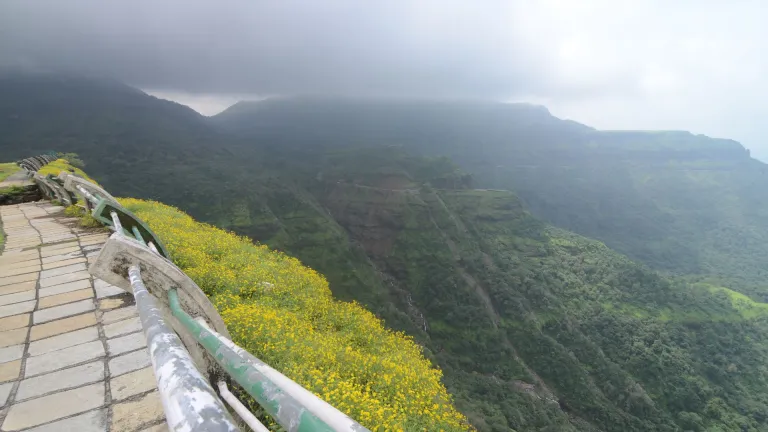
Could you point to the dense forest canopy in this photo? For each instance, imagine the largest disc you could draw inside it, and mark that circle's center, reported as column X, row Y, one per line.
column 467, row 225
column 681, row 203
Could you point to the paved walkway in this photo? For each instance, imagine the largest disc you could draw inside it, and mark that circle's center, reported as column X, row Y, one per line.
column 19, row 178
column 72, row 353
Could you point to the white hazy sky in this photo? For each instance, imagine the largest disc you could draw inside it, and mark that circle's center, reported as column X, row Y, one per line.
column 612, row 64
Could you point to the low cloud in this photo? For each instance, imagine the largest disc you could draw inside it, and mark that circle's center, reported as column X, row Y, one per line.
column 693, row 65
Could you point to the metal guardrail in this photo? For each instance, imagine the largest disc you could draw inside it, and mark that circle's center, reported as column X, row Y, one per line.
column 34, row 163
column 49, row 188
column 190, row 402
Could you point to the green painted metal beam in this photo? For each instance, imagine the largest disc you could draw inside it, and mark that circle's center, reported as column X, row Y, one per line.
column 102, row 213
column 286, row 410
column 137, row 234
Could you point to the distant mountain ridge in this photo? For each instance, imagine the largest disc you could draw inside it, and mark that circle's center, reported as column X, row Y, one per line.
column 627, row 188
column 123, row 128
column 399, row 116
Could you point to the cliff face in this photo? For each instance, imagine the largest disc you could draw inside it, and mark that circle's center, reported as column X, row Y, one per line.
column 373, row 216
column 433, row 278
column 534, row 327
column 676, row 201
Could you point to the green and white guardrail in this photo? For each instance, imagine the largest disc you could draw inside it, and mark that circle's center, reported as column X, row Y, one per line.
column 187, row 340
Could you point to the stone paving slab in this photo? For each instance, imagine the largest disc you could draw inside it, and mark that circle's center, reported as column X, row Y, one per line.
column 117, row 302
column 16, row 269
column 124, row 344
column 65, row 278
column 108, row 291
column 58, row 238
column 10, row 371
column 19, row 257
column 62, row 257
column 62, row 263
column 52, row 252
column 63, row 298
column 22, row 244
column 18, row 297
column 17, row 308
column 62, row 341
column 62, row 326
column 130, row 325
column 19, row 267
column 64, row 288
column 66, row 365
column 12, row 352
column 62, row 270
column 128, row 362
column 24, row 235
column 57, row 312
column 135, row 414
column 61, row 380
column 93, row 421
column 92, row 241
column 13, row 280
column 5, row 391
column 16, row 321
column 22, row 286
column 63, row 358
column 13, row 337
column 52, row 407
column 132, row 383
column 118, row 315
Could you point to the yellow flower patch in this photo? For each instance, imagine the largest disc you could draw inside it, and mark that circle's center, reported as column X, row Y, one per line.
column 284, row 313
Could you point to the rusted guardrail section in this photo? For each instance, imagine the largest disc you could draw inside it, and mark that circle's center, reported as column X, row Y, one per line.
column 187, row 340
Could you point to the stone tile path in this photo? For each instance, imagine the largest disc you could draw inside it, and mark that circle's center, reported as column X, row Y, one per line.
column 72, row 353
column 19, row 178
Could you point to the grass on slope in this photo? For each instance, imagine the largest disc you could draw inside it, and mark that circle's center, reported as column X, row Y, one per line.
column 6, row 169
column 688, row 302
column 285, row 314
column 715, row 304
column 743, row 305
column 60, row 165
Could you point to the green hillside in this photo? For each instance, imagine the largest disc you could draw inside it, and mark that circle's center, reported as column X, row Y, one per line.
column 679, row 202
column 535, row 327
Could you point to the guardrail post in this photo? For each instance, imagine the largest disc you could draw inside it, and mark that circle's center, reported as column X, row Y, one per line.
column 160, row 275
column 190, row 403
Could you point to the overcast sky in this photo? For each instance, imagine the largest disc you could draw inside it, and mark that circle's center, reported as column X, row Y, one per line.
column 613, row 64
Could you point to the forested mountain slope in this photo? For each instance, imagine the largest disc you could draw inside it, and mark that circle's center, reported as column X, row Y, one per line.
column 682, row 203
column 128, row 136
column 536, row 328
